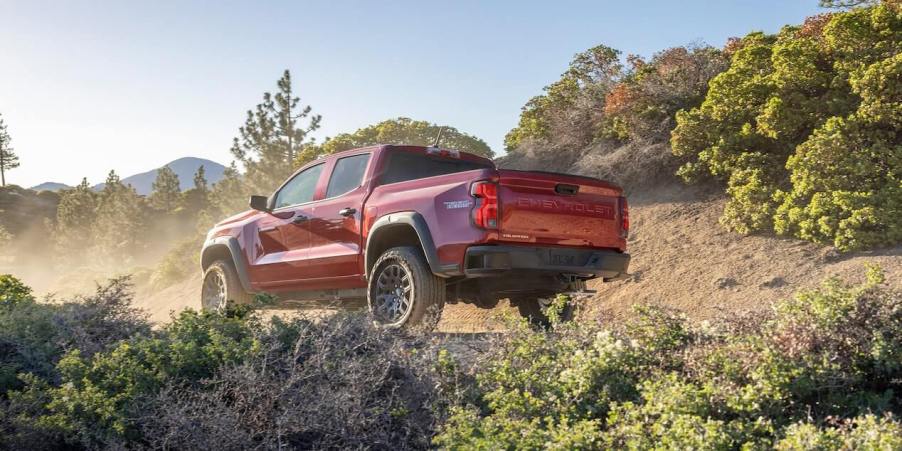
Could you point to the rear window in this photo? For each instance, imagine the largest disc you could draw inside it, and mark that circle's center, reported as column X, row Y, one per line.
column 404, row 166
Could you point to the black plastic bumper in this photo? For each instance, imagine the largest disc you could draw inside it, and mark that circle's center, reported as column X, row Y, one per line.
column 487, row 261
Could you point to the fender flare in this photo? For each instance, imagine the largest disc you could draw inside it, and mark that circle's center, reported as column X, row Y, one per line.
column 419, row 225
column 229, row 244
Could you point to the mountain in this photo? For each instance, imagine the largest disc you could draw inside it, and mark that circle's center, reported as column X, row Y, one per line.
column 184, row 168
column 50, row 186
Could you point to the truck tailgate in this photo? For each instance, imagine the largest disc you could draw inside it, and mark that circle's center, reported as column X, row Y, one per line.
column 559, row 209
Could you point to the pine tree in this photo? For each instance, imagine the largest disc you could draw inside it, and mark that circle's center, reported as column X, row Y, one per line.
column 200, row 179
column 197, row 199
column 272, row 137
column 120, row 218
column 166, row 191
column 230, row 194
column 8, row 159
column 75, row 215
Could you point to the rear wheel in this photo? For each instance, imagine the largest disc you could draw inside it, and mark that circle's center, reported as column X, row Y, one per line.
column 403, row 292
column 535, row 310
column 221, row 285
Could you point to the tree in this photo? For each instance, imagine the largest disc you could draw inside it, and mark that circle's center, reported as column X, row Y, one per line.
column 399, row 131
column 167, row 192
column 8, row 159
column 803, row 130
column 200, row 179
column 119, row 222
column 75, row 215
column 227, row 196
column 641, row 107
column 842, row 4
column 570, row 110
column 197, row 199
column 273, row 135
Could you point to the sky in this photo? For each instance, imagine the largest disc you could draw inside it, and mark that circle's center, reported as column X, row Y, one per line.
column 90, row 86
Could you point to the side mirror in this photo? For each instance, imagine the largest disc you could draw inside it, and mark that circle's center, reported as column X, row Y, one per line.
column 260, row 203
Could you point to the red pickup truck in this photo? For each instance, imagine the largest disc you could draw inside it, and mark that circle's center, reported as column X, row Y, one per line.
column 409, row 227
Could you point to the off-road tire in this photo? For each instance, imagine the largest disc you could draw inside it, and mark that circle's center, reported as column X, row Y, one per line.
column 234, row 292
column 427, row 294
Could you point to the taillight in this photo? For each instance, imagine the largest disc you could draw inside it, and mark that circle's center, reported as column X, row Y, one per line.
column 624, row 218
column 485, row 214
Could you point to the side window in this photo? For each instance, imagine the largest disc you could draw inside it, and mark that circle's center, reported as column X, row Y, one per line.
column 300, row 189
column 347, row 175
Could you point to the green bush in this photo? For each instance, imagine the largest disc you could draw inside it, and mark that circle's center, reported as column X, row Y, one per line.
column 803, row 127
column 821, row 370
column 813, row 372
column 34, row 336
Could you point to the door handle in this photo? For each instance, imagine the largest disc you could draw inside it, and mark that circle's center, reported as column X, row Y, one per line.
column 347, row 211
column 299, row 219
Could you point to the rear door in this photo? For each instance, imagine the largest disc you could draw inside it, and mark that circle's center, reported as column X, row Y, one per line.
column 335, row 239
column 558, row 209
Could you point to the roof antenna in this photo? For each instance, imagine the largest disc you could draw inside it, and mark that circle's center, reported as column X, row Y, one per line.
column 438, row 137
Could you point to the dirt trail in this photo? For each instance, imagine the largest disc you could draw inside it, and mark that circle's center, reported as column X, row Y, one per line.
column 682, row 258
column 456, row 318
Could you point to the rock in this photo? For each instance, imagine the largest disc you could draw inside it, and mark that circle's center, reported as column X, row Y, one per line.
column 725, row 282
column 773, row 282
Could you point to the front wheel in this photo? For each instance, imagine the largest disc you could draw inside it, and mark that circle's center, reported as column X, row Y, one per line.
column 403, row 292
column 221, row 285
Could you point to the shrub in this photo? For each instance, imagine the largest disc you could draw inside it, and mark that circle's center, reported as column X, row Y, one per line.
column 99, row 397
column 34, row 336
column 802, row 128
column 181, row 261
column 338, row 384
column 822, row 370
column 89, row 375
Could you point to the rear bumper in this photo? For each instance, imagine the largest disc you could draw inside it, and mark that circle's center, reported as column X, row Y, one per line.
column 489, row 261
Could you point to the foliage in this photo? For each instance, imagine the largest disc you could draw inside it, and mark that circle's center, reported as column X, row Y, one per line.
column 802, row 128
column 35, row 335
column 570, row 108
column 822, row 371
column 334, row 385
column 197, row 199
column 641, row 107
column 598, row 98
column 167, row 193
column 92, row 374
column 272, row 137
column 227, row 197
column 117, row 226
column 178, row 263
column 13, row 292
column 399, row 131
column 8, row 158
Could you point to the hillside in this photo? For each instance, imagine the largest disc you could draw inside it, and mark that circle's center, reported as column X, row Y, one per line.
column 184, row 168
column 50, row 186
column 684, row 259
